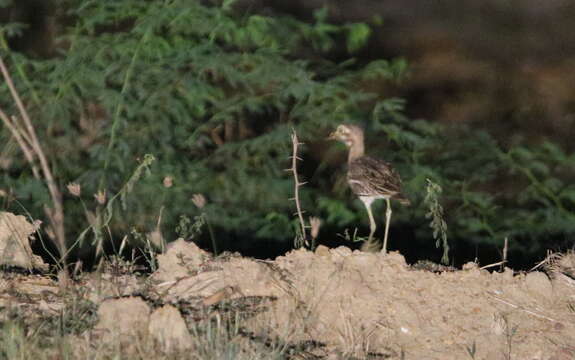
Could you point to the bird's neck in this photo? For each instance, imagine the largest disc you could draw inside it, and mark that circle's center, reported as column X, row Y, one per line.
column 356, row 150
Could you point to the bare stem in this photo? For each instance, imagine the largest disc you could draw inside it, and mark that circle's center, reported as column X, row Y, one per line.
column 295, row 145
column 25, row 136
column 21, row 140
column 505, row 249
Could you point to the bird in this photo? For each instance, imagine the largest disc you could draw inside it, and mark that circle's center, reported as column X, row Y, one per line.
column 369, row 178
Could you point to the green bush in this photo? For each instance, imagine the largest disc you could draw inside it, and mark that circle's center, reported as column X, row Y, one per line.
column 213, row 94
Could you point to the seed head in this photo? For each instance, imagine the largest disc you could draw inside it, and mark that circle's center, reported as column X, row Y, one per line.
column 168, row 182
column 75, row 189
column 100, row 197
column 315, row 225
column 199, row 200
column 50, row 232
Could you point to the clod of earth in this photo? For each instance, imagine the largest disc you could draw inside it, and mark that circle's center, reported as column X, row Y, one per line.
column 123, row 319
column 15, row 250
column 169, row 329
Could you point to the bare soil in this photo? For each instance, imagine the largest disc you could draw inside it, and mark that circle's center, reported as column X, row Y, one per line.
column 331, row 304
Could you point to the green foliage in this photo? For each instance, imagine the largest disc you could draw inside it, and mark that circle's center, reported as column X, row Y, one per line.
column 214, row 94
column 13, row 29
column 357, row 36
column 187, row 229
column 166, row 78
column 488, row 193
column 104, row 214
column 337, row 213
column 355, row 237
column 435, row 213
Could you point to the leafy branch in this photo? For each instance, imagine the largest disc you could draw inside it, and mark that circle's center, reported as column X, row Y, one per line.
column 435, row 213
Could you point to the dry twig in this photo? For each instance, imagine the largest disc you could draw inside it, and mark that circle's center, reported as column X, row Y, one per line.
column 521, row 308
column 499, row 263
column 24, row 133
column 549, row 259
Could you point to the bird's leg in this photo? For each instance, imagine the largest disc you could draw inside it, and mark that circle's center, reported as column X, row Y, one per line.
column 372, row 225
column 387, row 218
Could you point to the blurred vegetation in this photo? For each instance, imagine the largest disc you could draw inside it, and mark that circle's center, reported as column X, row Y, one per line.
column 213, row 94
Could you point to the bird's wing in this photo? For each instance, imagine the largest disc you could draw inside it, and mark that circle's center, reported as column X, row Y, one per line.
column 368, row 177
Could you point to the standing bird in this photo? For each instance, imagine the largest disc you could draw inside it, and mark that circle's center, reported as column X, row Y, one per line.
column 370, row 179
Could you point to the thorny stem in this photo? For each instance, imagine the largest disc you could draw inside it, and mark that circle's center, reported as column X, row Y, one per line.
column 297, row 184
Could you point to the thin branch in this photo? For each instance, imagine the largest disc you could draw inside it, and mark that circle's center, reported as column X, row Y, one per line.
column 120, row 106
column 21, row 130
column 499, row 263
column 27, row 133
column 28, row 152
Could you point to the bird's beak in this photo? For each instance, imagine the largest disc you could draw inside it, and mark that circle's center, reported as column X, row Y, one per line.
column 331, row 136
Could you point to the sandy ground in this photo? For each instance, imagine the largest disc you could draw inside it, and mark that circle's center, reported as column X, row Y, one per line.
column 331, row 304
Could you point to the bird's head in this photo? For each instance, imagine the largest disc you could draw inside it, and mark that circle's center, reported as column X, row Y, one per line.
column 347, row 134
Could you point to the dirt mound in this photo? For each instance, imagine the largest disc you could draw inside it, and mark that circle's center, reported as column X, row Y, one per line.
column 358, row 303
column 332, row 304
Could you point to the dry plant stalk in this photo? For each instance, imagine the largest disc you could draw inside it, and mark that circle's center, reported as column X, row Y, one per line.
column 24, row 133
column 505, row 249
column 297, row 184
column 503, row 261
column 521, row 308
column 315, row 224
column 499, row 263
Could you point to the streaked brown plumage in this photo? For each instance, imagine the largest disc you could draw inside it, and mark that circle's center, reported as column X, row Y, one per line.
column 369, row 178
